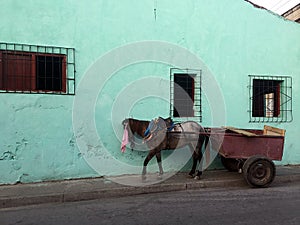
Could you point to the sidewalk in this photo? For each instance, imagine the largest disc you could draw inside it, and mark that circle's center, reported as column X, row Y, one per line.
column 97, row 188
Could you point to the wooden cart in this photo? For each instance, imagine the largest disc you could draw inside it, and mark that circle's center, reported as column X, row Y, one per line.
column 250, row 151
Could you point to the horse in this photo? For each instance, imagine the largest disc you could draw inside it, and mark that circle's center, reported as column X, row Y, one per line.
column 182, row 134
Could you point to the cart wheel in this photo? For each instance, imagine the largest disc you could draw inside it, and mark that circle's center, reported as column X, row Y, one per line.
column 230, row 164
column 259, row 171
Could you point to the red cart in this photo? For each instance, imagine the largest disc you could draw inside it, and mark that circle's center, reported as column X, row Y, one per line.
column 250, row 151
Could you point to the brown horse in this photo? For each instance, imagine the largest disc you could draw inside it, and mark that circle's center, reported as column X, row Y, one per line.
column 183, row 134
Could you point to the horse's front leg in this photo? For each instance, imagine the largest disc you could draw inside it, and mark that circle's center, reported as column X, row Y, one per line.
column 146, row 161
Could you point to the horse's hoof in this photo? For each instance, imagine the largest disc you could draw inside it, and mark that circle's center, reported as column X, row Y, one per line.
column 144, row 178
column 197, row 177
column 191, row 176
column 159, row 176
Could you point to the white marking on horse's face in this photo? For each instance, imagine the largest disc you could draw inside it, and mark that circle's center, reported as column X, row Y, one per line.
column 125, row 123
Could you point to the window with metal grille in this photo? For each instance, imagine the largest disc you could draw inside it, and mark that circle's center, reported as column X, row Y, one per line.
column 36, row 69
column 270, row 99
column 185, row 94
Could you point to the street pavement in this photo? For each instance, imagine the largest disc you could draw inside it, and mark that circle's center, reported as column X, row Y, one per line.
column 126, row 185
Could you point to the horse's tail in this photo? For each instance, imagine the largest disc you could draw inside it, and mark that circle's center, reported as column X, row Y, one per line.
column 204, row 137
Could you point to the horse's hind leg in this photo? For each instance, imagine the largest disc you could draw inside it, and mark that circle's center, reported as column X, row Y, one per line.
column 205, row 141
column 195, row 159
column 199, row 171
column 199, row 156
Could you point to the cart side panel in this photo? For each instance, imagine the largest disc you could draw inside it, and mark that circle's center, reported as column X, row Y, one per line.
column 239, row 146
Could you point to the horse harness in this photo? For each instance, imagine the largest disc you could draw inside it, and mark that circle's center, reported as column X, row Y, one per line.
column 160, row 125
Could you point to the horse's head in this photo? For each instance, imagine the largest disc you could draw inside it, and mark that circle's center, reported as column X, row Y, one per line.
column 125, row 122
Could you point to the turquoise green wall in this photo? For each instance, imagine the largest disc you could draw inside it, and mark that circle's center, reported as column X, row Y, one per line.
column 231, row 38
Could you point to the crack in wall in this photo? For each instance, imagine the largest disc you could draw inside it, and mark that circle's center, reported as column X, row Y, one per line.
column 12, row 155
column 8, row 155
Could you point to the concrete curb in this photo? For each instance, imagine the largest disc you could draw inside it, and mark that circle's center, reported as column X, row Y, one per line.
column 113, row 192
column 59, row 192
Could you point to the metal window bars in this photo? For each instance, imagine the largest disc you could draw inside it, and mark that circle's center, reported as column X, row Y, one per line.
column 270, row 99
column 191, row 111
column 36, row 69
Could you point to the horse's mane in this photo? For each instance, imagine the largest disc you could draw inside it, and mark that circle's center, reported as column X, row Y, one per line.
column 136, row 126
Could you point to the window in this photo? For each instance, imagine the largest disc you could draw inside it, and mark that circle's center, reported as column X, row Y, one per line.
column 270, row 98
column 185, row 94
column 36, row 69
column 51, row 72
column 15, row 71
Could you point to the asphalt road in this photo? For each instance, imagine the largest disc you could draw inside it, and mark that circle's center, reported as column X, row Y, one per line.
column 274, row 205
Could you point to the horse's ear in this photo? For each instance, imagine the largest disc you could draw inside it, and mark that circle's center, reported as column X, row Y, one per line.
column 124, row 121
